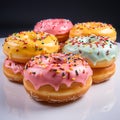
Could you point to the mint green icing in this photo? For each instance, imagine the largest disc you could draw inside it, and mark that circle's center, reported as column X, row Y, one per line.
column 94, row 48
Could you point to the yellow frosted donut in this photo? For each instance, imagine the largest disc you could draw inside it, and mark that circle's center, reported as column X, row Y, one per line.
column 20, row 47
column 94, row 28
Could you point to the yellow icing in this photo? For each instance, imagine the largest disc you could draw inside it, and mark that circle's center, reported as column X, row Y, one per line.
column 93, row 28
column 29, row 44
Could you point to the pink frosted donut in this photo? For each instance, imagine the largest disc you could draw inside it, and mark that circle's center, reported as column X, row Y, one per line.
column 58, row 27
column 57, row 77
column 13, row 70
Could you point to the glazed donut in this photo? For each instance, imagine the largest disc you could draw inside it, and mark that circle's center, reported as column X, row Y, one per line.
column 57, row 77
column 20, row 47
column 58, row 27
column 94, row 28
column 13, row 71
column 99, row 52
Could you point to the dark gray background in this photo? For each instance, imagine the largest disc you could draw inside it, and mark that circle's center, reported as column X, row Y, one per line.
column 22, row 15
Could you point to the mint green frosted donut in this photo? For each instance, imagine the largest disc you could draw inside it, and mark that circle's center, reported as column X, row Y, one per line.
column 94, row 48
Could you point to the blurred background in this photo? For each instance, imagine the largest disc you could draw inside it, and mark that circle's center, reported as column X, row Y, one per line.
column 22, row 15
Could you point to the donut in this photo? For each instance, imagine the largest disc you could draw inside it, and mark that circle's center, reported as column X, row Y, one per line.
column 13, row 71
column 57, row 77
column 57, row 26
column 103, row 74
column 99, row 52
column 94, row 28
column 20, row 47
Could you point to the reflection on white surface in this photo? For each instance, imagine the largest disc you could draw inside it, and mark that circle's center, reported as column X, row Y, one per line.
column 14, row 100
column 105, row 98
column 101, row 102
column 20, row 105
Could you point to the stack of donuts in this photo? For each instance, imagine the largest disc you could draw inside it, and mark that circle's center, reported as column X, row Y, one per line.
column 58, row 61
column 94, row 41
column 20, row 47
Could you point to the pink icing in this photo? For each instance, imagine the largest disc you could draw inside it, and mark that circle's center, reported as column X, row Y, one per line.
column 15, row 67
column 54, row 26
column 56, row 69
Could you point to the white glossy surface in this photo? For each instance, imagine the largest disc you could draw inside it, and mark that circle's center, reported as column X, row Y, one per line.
column 101, row 102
